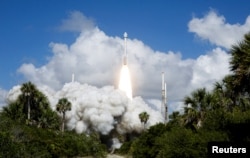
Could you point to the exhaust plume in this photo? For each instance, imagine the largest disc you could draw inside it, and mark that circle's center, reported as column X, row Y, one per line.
column 125, row 83
column 98, row 109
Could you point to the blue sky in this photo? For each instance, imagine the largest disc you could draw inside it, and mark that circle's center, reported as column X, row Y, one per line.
column 28, row 27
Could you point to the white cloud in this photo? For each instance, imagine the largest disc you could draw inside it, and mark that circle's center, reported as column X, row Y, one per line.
column 209, row 68
column 216, row 30
column 76, row 22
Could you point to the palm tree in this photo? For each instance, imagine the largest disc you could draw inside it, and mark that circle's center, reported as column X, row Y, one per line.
column 14, row 111
column 191, row 115
column 240, row 65
column 196, row 106
column 49, row 119
column 223, row 94
column 144, row 116
column 33, row 107
column 62, row 106
column 35, row 103
column 28, row 91
column 174, row 115
column 175, row 118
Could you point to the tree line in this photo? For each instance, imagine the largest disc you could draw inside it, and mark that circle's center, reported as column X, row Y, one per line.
column 30, row 128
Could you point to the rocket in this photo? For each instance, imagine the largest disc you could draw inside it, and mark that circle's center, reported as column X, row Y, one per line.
column 125, row 60
column 125, row 80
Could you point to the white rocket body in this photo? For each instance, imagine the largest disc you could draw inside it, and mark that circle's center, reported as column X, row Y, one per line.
column 125, row 57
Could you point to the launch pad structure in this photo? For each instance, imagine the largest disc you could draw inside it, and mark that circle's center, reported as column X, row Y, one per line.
column 164, row 108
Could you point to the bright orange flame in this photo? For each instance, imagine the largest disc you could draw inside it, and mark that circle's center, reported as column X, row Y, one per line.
column 125, row 82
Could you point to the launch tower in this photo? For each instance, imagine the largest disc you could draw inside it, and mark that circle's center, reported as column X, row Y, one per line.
column 164, row 108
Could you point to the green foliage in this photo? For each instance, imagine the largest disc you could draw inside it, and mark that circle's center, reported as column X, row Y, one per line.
column 175, row 119
column 14, row 111
column 146, row 145
column 49, row 120
column 234, row 124
column 239, row 65
column 40, row 113
column 144, row 116
column 8, row 147
column 125, row 148
column 180, row 142
column 20, row 140
column 238, row 125
column 169, row 141
column 62, row 106
column 34, row 132
column 196, row 108
column 216, row 120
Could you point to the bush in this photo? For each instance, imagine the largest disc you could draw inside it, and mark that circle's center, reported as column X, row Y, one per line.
column 20, row 140
column 180, row 142
column 146, row 145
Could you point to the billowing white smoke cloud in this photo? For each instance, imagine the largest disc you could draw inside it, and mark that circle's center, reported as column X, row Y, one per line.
column 99, row 109
column 214, row 28
column 95, row 59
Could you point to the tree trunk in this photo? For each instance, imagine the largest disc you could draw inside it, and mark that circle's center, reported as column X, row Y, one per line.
column 63, row 119
column 28, row 108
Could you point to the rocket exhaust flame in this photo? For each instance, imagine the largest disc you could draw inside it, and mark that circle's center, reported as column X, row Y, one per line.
column 125, row 81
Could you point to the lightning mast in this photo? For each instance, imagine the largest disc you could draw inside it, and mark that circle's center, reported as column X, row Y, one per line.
column 164, row 108
column 73, row 78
